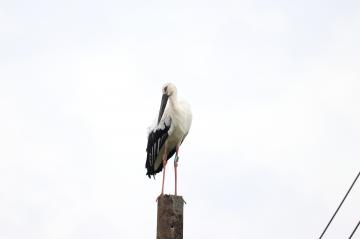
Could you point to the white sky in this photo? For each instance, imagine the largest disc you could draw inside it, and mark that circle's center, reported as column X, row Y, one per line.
column 275, row 93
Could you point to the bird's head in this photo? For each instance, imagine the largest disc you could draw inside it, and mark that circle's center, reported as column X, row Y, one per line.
column 169, row 89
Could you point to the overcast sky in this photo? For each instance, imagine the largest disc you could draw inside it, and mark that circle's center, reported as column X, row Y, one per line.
column 275, row 93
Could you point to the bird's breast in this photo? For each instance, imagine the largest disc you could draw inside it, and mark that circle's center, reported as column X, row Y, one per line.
column 180, row 125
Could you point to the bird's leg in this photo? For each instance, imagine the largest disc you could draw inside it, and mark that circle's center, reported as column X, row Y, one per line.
column 163, row 181
column 164, row 162
column 175, row 167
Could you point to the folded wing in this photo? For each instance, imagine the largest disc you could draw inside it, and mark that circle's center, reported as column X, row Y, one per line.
column 156, row 140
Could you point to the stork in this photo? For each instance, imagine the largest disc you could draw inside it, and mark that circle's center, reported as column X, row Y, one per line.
column 165, row 137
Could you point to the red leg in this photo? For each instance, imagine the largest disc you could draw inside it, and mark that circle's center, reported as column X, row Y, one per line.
column 164, row 162
column 163, row 181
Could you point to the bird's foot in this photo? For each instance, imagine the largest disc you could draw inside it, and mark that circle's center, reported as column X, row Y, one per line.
column 157, row 199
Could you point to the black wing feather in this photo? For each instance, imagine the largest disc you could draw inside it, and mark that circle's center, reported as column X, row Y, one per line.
column 156, row 140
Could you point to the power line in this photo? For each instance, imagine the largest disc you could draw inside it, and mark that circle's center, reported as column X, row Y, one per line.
column 353, row 232
column 339, row 206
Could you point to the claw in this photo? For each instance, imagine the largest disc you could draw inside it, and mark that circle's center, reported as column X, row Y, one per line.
column 157, row 199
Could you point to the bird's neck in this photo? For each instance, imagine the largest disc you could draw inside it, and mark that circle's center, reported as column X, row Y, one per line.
column 173, row 100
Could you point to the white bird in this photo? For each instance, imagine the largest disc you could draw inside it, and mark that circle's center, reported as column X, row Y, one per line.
column 167, row 135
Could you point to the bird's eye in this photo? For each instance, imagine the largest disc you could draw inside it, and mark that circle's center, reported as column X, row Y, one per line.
column 165, row 89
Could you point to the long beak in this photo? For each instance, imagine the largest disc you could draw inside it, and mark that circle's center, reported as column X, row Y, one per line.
column 164, row 100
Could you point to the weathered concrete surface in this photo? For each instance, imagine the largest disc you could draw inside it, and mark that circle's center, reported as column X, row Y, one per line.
column 170, row 217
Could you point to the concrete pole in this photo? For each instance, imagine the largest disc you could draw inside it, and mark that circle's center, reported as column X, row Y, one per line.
column 170, row 217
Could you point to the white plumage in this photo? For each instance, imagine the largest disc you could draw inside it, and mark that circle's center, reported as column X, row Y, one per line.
column 167, row 135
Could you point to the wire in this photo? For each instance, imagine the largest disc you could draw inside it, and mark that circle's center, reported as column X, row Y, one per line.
column 339, row 206
column 354, row 230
